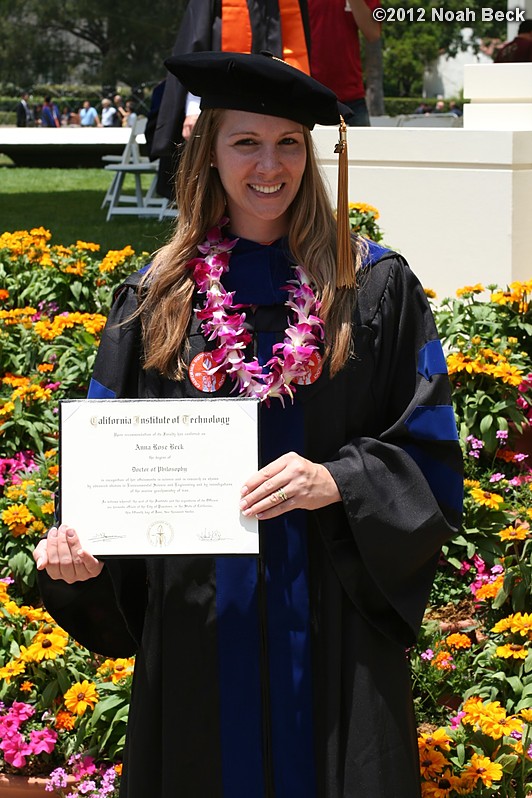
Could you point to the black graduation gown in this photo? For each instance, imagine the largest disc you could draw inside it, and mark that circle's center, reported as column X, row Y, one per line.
column 200, row 31
column 385, row 429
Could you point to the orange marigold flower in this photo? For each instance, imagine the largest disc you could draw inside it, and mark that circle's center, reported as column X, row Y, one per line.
column 486, row 499
column 65, row 720
column 53, row 470
column 26, row 687
column 4, row 294
column 490, row 589
column 118, row 768
column 458, row 640
column 443, row 661
column 43, row 367
column 80, row 697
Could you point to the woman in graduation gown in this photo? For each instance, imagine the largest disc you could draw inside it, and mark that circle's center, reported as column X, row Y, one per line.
column 283, row 676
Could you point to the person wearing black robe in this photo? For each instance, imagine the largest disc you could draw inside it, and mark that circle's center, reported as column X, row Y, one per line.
column 286, row 675
column 200, row 31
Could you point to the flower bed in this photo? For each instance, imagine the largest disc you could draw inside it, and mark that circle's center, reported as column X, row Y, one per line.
column 472, row 667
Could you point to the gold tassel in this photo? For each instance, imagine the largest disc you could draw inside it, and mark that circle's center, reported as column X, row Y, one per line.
column 345, row 270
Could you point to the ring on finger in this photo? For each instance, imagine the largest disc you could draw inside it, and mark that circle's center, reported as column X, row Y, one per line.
column 279, row 495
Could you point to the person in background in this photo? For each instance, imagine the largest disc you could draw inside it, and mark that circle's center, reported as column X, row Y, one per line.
column 108, row 113
column 50, row 116
column 24, row 113
column 284, row 675
column 130, row 115
column 292, row 30
column 454, row 108
column 519, row 50
column 118, row 103
column 88, row 115
column 335, row 60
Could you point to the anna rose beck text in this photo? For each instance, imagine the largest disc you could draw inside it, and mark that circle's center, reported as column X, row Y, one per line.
column 442, row 14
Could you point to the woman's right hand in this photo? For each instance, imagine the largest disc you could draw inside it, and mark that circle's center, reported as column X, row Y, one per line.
column 60, row 554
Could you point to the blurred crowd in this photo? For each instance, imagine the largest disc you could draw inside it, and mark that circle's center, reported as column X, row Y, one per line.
column 111, row 113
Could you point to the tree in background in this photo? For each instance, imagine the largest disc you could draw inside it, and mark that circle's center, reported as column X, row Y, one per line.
column 95, row 41
column 410, row 47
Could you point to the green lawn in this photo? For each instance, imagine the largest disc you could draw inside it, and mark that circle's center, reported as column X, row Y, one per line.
column 67, row 202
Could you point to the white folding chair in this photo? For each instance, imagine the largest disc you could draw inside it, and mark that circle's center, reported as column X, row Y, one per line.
column 140, row 202
column 130, row 155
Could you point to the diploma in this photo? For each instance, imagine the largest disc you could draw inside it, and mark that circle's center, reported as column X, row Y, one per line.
column 158, row 476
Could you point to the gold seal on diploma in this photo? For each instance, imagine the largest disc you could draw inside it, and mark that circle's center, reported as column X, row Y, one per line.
column 160, row 534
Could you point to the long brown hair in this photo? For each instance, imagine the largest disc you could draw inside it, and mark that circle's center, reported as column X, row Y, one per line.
column 168, row 287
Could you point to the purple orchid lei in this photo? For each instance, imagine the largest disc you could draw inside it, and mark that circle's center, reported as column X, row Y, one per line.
column 222, row 322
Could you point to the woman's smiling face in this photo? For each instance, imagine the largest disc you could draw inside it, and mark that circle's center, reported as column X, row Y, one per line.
column 260, row 160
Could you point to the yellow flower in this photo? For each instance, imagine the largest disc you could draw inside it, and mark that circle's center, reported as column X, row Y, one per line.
column 511, row 650
column 116, row 669
column 486, row 499
column 43, row 647
column 48, row 508
column 80, row 697
column 526, row 714
column 514, row 533
column 502, row 728
column 431, row 762
column 471, row 483
column 10, row 669
column 503, row 625
column 363, row 207
column 17, row 514
column 77, row 268
column 438, row 737
column 470, row 289
column 430, row 293
column 481, row 767
column 441, row 787
column 458, row 641
column 34, row 614
column 521, row 623
column 87, row 245
column 114, row 258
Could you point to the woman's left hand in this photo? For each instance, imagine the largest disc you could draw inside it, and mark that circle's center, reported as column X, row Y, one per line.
column 288, row 483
